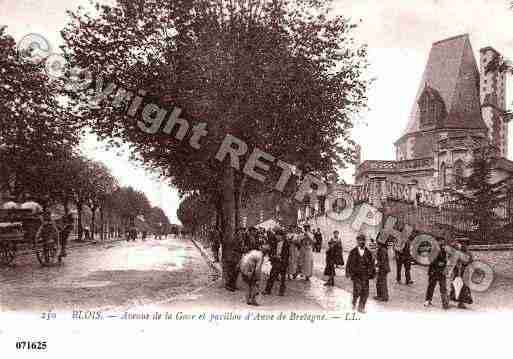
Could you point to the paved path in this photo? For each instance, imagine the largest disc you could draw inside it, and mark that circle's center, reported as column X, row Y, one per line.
column 411, row 298
column 105, row 275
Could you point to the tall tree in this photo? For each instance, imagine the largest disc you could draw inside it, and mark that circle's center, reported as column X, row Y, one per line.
column 101, row 184
column 36, row 132
column 283, row 76
column 481, row 195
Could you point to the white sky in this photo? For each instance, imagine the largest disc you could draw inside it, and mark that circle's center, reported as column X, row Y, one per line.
column 399, row 34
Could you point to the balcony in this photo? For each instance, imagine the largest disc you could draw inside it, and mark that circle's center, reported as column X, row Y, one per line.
column 395, row 166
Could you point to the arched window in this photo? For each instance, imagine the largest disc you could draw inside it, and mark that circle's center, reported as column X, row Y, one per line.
column 431, row 106
column 458, row 171
column 443, row 175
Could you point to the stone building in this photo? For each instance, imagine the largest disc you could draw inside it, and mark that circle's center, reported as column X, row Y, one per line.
column 457, row 108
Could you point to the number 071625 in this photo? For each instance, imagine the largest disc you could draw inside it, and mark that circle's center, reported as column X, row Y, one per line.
column 31, row 345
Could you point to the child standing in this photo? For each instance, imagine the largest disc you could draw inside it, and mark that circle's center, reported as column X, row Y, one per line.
column 331, row 261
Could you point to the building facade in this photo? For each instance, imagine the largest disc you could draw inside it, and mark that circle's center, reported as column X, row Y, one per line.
column 458, row 107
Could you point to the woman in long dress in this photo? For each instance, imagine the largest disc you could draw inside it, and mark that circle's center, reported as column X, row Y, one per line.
column 331, row 259
column 464, row 295
column 307, row 253
column 293, row 255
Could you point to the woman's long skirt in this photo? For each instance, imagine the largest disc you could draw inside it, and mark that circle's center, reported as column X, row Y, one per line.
column 293, row 260
column 307, row 261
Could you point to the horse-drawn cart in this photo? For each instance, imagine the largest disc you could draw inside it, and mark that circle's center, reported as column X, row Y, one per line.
column 22, row 229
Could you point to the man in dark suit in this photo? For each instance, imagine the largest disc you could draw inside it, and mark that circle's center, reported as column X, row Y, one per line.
column 360, row 268
column 437, row 274
column 318, row 240
column 403, row 259
column 279, row 257
column 383, row 266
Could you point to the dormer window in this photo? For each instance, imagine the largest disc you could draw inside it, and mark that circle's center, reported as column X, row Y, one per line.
column 431, row 106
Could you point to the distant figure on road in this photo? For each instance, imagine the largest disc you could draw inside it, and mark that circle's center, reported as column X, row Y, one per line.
column 360, row 268
column 251, row 271
column 418, row 199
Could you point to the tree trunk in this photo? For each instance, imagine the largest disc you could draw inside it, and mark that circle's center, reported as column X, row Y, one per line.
column 102, row 224
column 236, row 196
column 229, row 254
column 93, row 218
column 65, row 203
column 219, row 214
column 80, row 229
column 239, row 194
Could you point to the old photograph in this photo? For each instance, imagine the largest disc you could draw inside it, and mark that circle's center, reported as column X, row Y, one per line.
column 230, row 161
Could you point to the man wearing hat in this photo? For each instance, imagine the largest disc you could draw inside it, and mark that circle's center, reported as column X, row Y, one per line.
column 279, row 257
column 383, row 268
column 437, row 274
column 360, row 268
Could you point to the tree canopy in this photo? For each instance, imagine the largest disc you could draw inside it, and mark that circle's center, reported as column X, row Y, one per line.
column 36, row 131
column 285, row 77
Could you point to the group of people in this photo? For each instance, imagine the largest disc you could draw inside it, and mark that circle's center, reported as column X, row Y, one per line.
column 290, row 254
column 364, row 265
column 132, row 233
column 438, row 273
column 291, row 257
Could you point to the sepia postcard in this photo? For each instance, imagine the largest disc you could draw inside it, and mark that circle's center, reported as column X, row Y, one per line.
column 242, row 178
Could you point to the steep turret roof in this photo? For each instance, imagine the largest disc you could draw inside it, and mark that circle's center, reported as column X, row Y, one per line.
column 452, row 71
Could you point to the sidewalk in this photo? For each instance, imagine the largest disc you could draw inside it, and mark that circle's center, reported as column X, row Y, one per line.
column 313, row 296
column 300, row 295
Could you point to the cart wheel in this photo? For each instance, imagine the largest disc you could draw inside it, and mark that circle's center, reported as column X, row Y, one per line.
column 7, row 253
column 47, row 252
